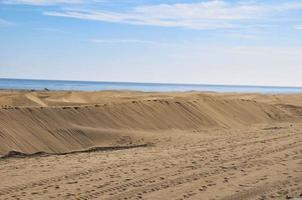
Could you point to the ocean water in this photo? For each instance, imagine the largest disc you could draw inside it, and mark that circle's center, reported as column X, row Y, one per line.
column 23, row 84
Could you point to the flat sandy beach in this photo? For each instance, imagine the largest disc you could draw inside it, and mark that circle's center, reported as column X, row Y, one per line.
column 135, row 145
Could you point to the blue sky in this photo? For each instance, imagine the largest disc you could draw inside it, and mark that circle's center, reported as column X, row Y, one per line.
column 246, row 42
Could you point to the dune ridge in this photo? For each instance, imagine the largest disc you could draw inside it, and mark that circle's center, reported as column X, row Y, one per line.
column 69, row 121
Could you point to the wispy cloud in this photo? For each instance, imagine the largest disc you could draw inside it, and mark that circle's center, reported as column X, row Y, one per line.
column 123, row 41
column 56, row 30
column 5, row 23
column 298, row 27
column 42, row 2
column 214, row 14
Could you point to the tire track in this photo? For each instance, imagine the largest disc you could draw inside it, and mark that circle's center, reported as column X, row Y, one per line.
column 52, row 180
column 194, row 175
column 263, row 189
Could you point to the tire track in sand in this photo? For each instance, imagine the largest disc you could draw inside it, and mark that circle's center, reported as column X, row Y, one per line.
column 56, row 179
column 151, row 184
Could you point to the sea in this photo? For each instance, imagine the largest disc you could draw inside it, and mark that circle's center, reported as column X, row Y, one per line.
column 61, row 85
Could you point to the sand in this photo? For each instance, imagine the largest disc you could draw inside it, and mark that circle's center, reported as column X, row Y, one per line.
column 134, row 145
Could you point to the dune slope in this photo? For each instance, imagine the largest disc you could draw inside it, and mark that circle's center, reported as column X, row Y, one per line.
column 118, row 120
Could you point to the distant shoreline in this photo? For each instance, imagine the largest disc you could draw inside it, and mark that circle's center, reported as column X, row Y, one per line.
column 150, row 83
column 61, row 85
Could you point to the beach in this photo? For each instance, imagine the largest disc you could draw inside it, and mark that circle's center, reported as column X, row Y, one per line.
column 150, row 145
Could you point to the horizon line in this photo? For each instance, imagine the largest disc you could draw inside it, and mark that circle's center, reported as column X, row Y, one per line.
column 157, row 83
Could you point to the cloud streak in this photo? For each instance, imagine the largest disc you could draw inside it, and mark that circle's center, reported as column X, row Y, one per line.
column 54, row 30
column 4, row 23
column 42, row 2
column 215, row 14
column 123, row 41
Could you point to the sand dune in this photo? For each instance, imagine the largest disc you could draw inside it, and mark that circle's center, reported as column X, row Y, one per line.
column 67, row 121
column 179, row 146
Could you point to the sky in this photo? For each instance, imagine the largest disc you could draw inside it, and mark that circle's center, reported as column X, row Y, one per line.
column 246, row 42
